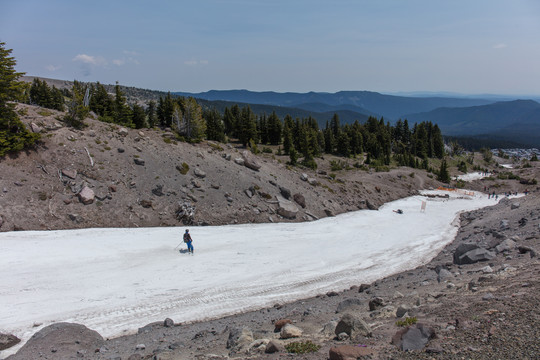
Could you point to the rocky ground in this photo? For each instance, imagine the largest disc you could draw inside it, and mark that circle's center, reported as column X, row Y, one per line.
column 145, row 178
column 485, row 309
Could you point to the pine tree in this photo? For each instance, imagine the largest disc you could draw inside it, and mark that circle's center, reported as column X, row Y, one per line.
column 138, row 116
column 193, row 125
column 247, row 127
column 13, row 134
column 121, row 111
column 444, row 175
column 214, row 125
column 151, row 114
column 77, row 112
column 274, row 129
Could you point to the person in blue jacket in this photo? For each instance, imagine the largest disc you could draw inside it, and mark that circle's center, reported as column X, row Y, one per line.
column 188, row 240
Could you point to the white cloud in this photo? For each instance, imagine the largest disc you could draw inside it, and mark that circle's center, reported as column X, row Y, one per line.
column 500, row 46
column 88, row 59
column 119, row 62
column 52, row 67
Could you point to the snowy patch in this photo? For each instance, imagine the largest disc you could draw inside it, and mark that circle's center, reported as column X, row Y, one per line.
column 472, row 176
column 116, row 280
column 507, row 166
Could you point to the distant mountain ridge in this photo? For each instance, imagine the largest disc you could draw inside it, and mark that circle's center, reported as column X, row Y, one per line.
column 517, row 120
column 365, row 102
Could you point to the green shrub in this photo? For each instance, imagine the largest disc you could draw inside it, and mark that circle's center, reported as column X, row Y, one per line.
column 266, row 150
column 407, row 321
column 302, row 347
column 184, row 168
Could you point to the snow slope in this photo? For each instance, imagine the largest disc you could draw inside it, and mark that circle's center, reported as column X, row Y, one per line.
column 116, row 280
column 472, row 176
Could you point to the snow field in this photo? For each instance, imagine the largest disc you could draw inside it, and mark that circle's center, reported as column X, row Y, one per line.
column 117, row 280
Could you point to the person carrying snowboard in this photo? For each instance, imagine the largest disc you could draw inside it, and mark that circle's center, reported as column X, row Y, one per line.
column 188, row 240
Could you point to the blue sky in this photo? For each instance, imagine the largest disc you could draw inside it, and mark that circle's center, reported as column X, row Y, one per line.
column 473, row 46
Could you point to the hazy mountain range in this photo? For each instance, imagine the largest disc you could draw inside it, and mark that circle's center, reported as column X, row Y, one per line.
column 517, row 121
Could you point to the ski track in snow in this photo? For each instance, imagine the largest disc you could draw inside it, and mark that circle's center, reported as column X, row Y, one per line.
column 117, row 280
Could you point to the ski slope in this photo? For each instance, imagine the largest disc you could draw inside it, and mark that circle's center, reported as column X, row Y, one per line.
column 116, row 280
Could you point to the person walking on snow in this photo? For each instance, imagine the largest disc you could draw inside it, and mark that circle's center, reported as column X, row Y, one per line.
column 188, row 240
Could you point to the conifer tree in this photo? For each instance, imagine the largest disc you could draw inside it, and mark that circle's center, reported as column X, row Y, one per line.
column 151, row 114
column 214, row 125
column 138, row 116
column 14, row 136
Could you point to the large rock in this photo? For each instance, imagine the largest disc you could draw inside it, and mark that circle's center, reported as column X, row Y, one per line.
column 349, row 352
column 67, row 339
column 475, row 256
column 413, row 338
column 239, row 339
column 286, row 193
column 249, row 161
column 348, row 304
column 274, row 346
column 469, row 253
column 86, row 195
column 300, row 200
column 8, row 340
column 290, row 331
column 376, row 303
column 352, row 325
column 72, row 174
column 286, row 208
column 199, row 173
column 506, row 245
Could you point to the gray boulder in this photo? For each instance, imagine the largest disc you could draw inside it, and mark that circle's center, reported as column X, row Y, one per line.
column 475, row 256
column 300, row 200
column 67, row 339
column 290, row 331
column 286, row 193
column 469, row 253
column 376, row 303
column 444, row 274
column 249, row 161
column 353, row 326
column 199, row 173
column 506, row 245
column 239, row 339
column 286, row 208
column 72, row 174
column 413, row 338
column 349, row 303
column 138, row 161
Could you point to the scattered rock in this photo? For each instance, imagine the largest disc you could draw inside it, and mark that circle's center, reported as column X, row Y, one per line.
column 72, row 174
column 371, row 206
column 527, row 249
column 353, row 325
column 504, row 225
column 199, row 173
column 304, row 177
column 146, row 203
column 286, row 193
column 36, row 128
column 290, row 331
column 506, row 245
column 138, row 161
column 239, row 339
column 376, row 303
column 402, row 310
column 469, row 253
column 300, row 200
column 413, row 337
column 123, row 132
column 140, row 347
column 249, row 161
column 168, row 322
column 444, row 274
column 8, row 340
column 286, row 208
column 274, row 346
column 158, row 190
column 281, row 323
column 86, row 195
column 363, row 287
column 349, row 303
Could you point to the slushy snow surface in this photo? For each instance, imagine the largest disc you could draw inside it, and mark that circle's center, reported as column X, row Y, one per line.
column 116, row 280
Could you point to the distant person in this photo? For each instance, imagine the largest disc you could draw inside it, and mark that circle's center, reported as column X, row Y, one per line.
column 188, row 240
